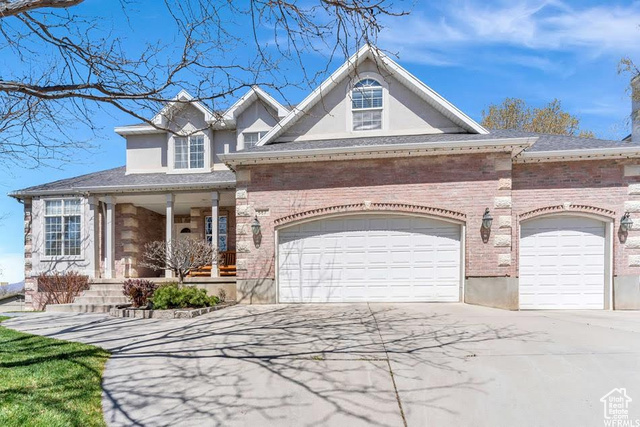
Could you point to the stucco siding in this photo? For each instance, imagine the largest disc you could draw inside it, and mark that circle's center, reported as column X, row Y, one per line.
column 40, row 263
column 404, row 111
column 147, row 153
column 222, row 140
column 257, row 117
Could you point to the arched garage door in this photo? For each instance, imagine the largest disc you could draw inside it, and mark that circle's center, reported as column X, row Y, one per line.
column 369, row 257
column 562, row 263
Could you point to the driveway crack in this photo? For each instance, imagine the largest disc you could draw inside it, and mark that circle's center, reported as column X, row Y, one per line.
column 386, row 353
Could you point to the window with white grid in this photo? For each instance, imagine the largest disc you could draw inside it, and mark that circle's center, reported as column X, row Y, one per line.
column 367, row 105
column 251, row 138
column 189, row 152
column 62, row 227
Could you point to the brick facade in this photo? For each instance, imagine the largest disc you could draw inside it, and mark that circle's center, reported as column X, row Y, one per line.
column 462, row 184
column 597, row 187
column 457, row 187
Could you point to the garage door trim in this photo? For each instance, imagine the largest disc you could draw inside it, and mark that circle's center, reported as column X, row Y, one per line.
column 462, row 225
column 608, row 242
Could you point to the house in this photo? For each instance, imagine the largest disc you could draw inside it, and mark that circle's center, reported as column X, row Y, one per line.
column 373, row 188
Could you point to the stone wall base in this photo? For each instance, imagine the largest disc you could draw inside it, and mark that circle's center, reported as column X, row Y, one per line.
column 626, row 292
column 496, row 292
column 256, row 291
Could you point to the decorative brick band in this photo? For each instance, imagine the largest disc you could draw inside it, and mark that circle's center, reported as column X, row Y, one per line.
column 371, row 206
column 567, row 208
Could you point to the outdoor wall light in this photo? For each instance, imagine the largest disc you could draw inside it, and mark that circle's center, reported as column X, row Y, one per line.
column 487, row 220
column 626, row 223
column 255, row 226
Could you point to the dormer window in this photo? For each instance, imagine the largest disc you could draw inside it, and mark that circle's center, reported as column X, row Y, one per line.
column 189, row 152
column 250, row 139
column 366, row 105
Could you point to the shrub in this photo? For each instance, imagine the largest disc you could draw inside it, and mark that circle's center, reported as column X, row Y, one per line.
column 60, row 288
column 172, row 295
column 139, row 291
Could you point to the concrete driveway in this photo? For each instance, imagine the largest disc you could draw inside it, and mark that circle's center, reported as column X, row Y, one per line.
column 360, row 364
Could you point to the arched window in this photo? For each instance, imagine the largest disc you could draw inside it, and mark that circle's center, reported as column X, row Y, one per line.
column 366, row 105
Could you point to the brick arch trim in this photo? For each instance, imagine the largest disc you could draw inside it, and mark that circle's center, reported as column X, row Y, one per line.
column 371, row 207
column 568, row 208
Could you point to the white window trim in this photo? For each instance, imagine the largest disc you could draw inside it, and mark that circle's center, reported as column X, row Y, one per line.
column 241, row 145
column 43, row 227
column 385, row 104
column 171, row 154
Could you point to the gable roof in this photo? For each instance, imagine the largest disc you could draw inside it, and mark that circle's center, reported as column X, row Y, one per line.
column 182, row 98
column 255, row 93
column 116, row 180
column 160, row 119
column 413, row 83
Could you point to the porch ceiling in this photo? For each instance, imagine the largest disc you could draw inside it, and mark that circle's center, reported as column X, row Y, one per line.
column 182, row 204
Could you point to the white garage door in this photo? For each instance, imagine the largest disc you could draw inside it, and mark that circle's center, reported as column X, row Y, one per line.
column 369, row 258
column 562, row 263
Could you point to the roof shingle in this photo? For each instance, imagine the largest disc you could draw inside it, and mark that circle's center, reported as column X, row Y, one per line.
column 116, row 180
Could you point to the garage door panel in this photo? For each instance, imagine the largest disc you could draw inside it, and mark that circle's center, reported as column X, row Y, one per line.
column 562, row 262
column 370, row 258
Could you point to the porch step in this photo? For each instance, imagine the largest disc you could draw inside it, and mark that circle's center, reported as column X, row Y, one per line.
column 79, row 308
column 102, row 293
column 97, row 300
column 106, row 287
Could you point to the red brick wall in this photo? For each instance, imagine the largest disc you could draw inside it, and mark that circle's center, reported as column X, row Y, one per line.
column 462, row 183
column 599, row 184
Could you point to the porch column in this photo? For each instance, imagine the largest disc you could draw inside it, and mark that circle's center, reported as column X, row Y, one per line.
column 93, row 246
column 110, row 238
column 169, row 230
column 214, row 233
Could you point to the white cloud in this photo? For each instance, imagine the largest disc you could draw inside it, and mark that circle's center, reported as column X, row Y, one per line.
column 466, row 27
column 11, row 267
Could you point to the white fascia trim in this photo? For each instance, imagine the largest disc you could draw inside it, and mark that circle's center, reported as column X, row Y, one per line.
column 583, row 154
column 441, row 147
column 85, row 191
column 229, row 116
column 136, row 130
column 363, row 53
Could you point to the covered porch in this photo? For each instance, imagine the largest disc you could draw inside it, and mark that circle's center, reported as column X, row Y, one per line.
column 129, row 222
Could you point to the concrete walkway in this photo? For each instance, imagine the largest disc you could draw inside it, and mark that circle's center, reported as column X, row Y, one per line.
column 360, row 364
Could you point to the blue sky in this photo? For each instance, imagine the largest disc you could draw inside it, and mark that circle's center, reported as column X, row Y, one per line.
column 472, row 52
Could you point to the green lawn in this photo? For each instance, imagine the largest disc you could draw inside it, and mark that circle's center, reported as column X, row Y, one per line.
column 48, row 382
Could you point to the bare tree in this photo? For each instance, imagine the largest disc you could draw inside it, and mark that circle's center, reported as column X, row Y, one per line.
column 180, row 256
column 60, row 288
column 67, row 65
column 514, row 113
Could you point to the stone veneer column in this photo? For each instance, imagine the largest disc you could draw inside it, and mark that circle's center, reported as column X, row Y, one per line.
column 502, row 213
column 128, row 230
column 110, row 253
column 30, row 283
column 243, row 220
